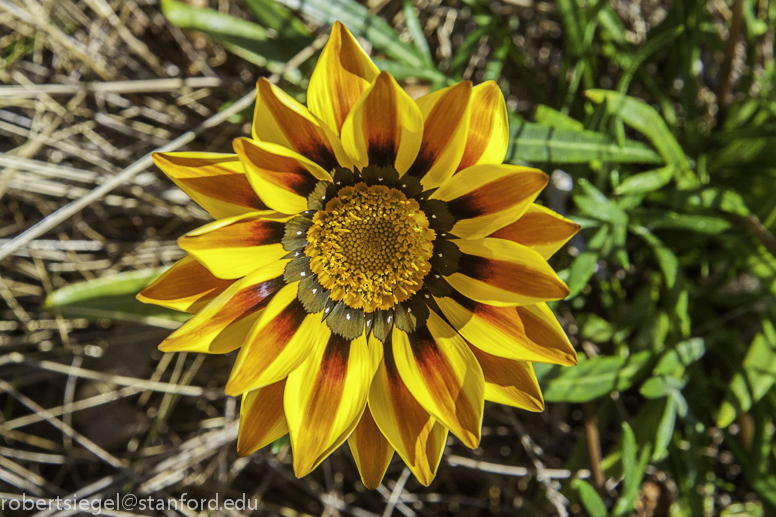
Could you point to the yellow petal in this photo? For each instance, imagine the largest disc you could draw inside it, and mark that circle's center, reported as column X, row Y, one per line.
column 500, row 331
column 484, row 198
column 510, row 382
column 371, row 451
column 185, row 286
column 384, row 128
column 236, row 246
column 215, row 181
column 502, row 273
column 415, row 435
column 445, row 128
column 540, row 229
column 283, row 178
column 262, row 420
column 542, row 327
column 278, row 343
column 223, row 324
column 280, row 119
column 326, row 396
column 342, row 74
column 443, row 375
column 488, row 137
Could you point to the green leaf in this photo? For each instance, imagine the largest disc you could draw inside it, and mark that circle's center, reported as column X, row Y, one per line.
column 113, row 298
column 596, row 205
column 597, row 329
column 633, row 472
column 586, row 262
column 281, row 442
column 664, row 219
column 665, row 429
column 661, row 386
column 549, row 117
column 360, row 22
column 496, row 60
column 404, row 71
column 592, row 502
column 594, row 378
column 668, row 262
column 416, row 31
column 681, row 356
column 721, row 199
column 628, row 454
column 646, row 182
column 644, row 118
column 536, row 143
column 273, row 16
column 246, row 39
column 755, row 378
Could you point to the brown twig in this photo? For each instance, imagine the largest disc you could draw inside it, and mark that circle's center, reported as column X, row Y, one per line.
column 593, row 439
column 726, row 68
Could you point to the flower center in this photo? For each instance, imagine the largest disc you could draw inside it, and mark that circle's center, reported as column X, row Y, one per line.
column 371, row 246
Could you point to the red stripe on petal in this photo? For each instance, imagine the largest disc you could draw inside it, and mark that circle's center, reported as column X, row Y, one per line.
column 440, row 126
column 331, row 380
column 287, row 172
column 542, row 333
column 535, row 228
column 241, row 305
column 497, row 196
column 229, row 188
column 512, row 277
column 441, row 380
column 381, row 131
column 304, row 136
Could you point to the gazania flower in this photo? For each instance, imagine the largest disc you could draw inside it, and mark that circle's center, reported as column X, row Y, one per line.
column 379, row 268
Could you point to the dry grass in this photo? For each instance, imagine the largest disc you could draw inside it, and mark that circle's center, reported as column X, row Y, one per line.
column 90, row 87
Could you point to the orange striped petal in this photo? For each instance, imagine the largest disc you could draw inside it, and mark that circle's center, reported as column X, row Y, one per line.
column 282, row 177
column 371, row 451
column 540, row 229
column 236, row 246
column 542, row 327
column 262, row 420
column 223, row 324
column 500, row 331
column 445, row 129
column 415, row 435
column 280, row 119
column 443, row 375
column 326, row 396
column 484, row 198
column 384, row 127
column 185, row 286
column 503, row 273
column 488, row 137
column 509, row 382
column 342, row 74
column 277, row 344
column 215, row 181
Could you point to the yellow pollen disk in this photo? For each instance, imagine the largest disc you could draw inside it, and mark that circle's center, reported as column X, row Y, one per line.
column 371, row 246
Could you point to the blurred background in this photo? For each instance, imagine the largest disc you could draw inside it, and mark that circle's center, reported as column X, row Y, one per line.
column 656, row 121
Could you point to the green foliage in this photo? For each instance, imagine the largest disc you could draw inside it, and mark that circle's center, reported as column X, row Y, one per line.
column 114, row 298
